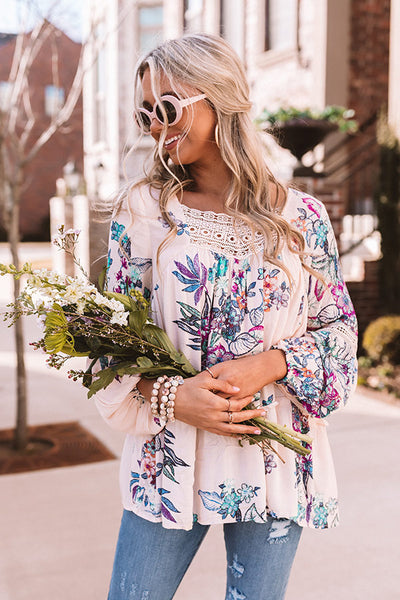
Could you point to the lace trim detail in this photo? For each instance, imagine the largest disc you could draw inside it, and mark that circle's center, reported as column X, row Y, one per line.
column 347, row 333
column 222, row 233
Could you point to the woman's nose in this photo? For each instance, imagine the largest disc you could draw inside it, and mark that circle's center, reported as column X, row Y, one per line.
column 155, row 126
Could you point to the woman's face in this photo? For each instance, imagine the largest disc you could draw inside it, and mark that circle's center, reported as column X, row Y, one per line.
column 192, row 138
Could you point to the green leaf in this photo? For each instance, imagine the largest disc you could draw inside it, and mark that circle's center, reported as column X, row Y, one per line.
column 102, row 278
column 103, row 380
column 94, row 343
column 136, row 320
column 55, row 341
column 144, row 362
column 56, row 318
column 158, row 337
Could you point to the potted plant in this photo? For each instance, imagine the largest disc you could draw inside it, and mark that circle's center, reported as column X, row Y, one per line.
column 300, row 130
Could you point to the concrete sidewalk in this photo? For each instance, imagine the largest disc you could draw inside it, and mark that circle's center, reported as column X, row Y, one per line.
column 58, row 527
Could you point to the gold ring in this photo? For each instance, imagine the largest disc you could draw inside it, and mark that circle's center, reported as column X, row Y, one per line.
column 210, row 372
column 230, row 416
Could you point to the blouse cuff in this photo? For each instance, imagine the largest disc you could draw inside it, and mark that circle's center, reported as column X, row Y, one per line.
column 303, row 378
column 122, row 407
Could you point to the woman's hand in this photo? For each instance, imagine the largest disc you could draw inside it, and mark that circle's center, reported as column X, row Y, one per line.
column 205, row 403
column 251, row 373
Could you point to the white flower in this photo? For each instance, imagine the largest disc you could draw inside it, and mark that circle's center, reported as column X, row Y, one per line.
column 119, row 318
column 114, row 305
column 80, row 306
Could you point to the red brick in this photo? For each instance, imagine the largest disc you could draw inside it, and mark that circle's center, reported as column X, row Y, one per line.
column 42, row 172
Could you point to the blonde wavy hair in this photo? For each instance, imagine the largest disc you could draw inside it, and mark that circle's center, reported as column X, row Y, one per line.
column 208, row 63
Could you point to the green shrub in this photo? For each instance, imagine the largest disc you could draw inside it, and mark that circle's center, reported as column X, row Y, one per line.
column 381, row 339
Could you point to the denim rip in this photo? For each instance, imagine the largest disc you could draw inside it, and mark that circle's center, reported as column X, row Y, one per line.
column 235, row 594
column 279, row 531
column 236, row 567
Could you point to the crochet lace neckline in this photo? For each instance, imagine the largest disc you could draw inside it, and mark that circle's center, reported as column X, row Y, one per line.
column 221, row 233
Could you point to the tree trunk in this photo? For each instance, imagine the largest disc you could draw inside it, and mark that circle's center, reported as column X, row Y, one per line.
column 21, row 424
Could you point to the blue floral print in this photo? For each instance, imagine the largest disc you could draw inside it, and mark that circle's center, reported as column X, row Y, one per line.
column 220, row 305
column 130, row 274
column 227, row 502
column 157, row 457
column 322, row 367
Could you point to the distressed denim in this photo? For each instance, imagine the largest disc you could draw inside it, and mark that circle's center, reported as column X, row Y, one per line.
column 150, row 561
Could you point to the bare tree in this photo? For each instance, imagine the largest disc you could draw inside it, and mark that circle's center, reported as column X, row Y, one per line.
column 20, row 142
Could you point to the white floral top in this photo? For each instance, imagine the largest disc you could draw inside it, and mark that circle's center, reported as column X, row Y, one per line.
column 218, row 299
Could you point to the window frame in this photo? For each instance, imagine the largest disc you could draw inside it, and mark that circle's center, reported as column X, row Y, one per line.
column 269, row 55
column 201, row 14
column 140, row 29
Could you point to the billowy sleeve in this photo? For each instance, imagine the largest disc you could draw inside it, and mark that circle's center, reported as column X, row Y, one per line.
column 129, row 267
column 322, row 364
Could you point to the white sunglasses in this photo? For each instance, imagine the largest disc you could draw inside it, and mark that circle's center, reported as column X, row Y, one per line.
column 172, row 107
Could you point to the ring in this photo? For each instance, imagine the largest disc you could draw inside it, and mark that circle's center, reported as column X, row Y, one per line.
column 210, row 372
column 230, row 416
column 229, row 405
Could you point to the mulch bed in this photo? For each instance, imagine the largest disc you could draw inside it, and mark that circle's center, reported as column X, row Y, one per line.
column 50, row 446
column 384, row 378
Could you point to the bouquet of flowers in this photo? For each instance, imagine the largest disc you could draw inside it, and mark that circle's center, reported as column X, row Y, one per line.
column 115, row 329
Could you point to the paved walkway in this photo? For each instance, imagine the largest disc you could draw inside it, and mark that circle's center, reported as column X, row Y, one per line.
column 58, row 527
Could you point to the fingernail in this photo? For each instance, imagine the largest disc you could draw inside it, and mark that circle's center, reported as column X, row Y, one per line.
column 257, row 431
column 235, row 389
column 264, row 413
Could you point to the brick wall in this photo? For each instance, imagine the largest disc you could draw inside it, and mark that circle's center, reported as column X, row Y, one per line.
column 368, row 92
column 369, row 56
column 41, row 174
column 368, row 88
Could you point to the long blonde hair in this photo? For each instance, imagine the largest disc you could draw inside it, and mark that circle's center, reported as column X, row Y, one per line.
column 208, row 63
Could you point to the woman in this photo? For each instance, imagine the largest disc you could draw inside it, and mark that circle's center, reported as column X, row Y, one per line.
column 243, row 275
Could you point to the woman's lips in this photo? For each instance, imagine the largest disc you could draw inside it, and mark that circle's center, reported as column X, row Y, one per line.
column 172, row 142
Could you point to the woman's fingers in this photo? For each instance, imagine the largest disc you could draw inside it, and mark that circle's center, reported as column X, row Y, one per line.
column 236, row 429
column 245, row 415
column 218, row 385
column 241, row 403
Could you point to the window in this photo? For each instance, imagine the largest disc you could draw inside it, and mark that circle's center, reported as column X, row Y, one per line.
column 5, row 95
column 53, row 100
column 280, row 25
column 150, row 27
column 193, row 15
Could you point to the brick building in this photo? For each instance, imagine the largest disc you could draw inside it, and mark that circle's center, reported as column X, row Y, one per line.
column 65, row 145
column 297, row 53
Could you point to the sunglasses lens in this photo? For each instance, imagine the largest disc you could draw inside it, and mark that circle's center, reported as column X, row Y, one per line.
column 170, row 111
column 143, row 120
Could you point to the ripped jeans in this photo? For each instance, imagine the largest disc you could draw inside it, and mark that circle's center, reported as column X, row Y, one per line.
column 150, row 561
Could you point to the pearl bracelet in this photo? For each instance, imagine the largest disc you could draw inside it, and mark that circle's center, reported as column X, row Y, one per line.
column 154, row 395
column 171, row 388
column 164, row 407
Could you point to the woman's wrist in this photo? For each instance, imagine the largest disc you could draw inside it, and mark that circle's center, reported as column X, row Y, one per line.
column 274, row 364
column 145, row 387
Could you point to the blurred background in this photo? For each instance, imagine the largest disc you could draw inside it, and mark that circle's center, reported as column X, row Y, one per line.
column 325, row 86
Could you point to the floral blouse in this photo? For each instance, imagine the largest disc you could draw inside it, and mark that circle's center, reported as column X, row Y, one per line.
column 217, row 299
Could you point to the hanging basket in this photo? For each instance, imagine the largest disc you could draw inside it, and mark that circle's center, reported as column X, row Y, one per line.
column 299, row 136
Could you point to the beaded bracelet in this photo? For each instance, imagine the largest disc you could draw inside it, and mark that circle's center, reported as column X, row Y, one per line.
column 171, row 388
column 154, row 395
column 164, row 408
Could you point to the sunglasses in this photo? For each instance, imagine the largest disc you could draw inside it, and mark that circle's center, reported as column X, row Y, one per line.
column 171, row 108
